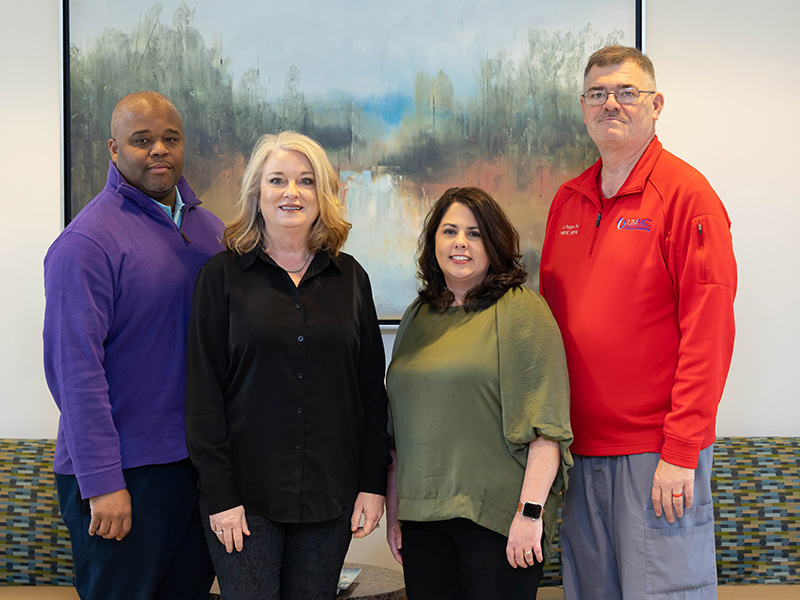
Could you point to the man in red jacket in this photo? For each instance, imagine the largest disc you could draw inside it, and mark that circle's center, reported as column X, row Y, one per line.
column 638, row 269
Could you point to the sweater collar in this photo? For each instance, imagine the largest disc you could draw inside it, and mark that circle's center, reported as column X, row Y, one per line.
column 116, row 183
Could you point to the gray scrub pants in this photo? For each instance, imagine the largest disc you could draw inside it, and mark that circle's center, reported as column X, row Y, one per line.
column 613, row 545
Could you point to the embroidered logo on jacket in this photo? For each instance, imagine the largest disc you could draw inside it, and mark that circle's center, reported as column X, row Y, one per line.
column 570, row 229
column 634, row 224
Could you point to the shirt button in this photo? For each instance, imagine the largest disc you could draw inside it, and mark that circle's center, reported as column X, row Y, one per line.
column 300, row 338
column 299, row 411
column 299, row 375
column 297, row 446
column 297, row 306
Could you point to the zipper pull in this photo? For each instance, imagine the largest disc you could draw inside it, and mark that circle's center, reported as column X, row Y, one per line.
column 188, row 241
column 597, row 223
column 700, row 228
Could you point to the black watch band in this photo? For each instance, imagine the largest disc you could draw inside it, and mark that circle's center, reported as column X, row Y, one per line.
column 530, row 510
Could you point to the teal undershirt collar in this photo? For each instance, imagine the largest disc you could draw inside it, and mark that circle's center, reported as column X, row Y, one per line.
column 176, row 214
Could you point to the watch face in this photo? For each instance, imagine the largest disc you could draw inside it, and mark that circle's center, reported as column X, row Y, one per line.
column 531, row 510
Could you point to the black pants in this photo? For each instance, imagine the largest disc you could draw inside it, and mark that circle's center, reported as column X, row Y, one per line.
column 163, row 557
column 282, row 561
column 460, row 560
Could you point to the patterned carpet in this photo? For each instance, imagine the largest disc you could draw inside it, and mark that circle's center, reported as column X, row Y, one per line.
column 756, row 487
column 756, row 490
column 36, row 547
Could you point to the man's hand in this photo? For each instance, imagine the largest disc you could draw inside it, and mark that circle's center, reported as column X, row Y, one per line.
column 673, row 488
column 111, row 515
column 371, row 506
column 230, row 527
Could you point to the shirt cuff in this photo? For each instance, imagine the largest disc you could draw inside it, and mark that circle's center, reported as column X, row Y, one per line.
column 98, row 484
column 680, row 453
column 373, row 478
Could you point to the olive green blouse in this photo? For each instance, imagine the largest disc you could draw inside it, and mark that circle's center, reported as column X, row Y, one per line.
column 468, row 391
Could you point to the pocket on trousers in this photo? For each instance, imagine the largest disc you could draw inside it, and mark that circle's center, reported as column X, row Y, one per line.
column 680, row 555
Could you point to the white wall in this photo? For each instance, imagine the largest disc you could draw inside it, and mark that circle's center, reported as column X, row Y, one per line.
column 30, row 210
column 729, row 73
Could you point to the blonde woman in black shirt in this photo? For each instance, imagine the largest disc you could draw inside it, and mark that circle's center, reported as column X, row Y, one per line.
column 286, row 407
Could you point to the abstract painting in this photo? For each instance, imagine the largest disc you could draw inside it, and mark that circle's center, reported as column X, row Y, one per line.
column 408, row 99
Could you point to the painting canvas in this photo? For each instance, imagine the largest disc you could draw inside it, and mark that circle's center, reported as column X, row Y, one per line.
column 408, row 99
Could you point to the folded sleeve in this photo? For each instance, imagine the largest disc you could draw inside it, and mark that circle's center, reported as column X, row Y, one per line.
column 534, row 385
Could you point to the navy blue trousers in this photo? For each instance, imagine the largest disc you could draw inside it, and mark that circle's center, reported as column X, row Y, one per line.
column 163, row 557
column 458, row 559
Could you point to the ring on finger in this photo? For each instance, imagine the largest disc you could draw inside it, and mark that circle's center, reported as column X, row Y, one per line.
column 676, row 496
column 528, row 552
column 220, row 532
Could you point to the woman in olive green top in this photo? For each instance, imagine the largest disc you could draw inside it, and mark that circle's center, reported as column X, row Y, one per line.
column 479, row 413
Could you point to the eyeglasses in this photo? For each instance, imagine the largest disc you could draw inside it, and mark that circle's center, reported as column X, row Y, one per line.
column 623, row 95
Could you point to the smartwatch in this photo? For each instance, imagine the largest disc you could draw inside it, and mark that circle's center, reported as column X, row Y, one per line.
column 530, row 510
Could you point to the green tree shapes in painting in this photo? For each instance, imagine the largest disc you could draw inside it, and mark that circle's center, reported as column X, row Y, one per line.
column 517, row 131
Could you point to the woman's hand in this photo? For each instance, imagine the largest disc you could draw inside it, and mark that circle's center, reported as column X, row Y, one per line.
column 371, row 507
column 394, row 536
column 524, row 541
column 230, row 527
column 525, row 535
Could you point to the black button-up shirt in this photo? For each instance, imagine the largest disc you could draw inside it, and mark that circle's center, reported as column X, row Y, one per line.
column 285, row 402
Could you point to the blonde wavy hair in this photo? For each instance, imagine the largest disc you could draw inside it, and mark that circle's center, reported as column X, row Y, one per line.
column 247, row 231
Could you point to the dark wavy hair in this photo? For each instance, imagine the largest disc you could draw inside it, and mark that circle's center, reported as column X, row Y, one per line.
column 500, row 240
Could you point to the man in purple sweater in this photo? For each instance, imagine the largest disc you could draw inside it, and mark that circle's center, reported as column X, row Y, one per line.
column 118, row 287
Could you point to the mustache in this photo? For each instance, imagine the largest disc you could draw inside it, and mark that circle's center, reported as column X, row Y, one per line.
column 608, row 115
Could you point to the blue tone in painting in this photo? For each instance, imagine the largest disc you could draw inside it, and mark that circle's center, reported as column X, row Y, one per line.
column 390, row 108
column 408, row 99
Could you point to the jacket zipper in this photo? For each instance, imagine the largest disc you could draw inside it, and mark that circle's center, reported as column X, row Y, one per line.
column 596, row 229
column 185, row 213
column 701, row 252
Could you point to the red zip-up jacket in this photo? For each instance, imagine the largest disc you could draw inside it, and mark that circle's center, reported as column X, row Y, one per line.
column 642, row 287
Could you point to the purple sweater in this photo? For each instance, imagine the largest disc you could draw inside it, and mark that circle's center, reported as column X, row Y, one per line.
column 118, row 289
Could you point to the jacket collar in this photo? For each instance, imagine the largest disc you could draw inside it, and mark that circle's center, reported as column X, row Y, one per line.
column 588, row 182
column 638, row 177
